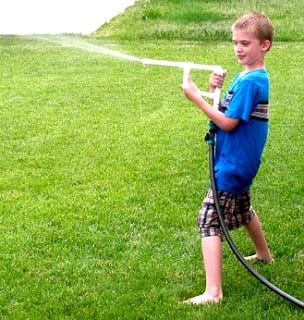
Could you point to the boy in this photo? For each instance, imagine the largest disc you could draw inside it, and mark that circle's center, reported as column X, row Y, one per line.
column 242, row 128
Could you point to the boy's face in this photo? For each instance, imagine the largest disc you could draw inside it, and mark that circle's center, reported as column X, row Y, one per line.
column 249, row 50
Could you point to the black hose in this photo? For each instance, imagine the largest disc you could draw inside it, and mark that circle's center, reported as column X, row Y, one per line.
column 268, row 284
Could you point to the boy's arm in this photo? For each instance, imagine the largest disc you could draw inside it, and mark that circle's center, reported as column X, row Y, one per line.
column 217, row 117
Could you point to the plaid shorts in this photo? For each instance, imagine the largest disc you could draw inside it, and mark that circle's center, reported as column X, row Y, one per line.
column 236, row 210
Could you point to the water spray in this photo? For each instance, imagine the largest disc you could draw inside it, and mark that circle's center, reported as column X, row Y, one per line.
column 77, row 43
column 71, row 42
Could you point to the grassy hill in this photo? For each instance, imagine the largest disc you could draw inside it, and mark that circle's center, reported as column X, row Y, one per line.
column 200, row 20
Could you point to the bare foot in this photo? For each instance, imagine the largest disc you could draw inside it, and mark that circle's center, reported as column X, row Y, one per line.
column 255, row 257
column 202, row 299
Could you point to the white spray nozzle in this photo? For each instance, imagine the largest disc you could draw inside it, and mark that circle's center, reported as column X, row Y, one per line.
column 181, row 65
column 186, row 77
column 187, row 67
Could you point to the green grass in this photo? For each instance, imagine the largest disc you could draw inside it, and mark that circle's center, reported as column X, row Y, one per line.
column 103, row 167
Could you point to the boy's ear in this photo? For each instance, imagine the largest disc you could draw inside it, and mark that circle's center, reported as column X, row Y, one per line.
column 266, row 45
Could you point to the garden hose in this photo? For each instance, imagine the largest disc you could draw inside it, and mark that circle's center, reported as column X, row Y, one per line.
column 210, row 138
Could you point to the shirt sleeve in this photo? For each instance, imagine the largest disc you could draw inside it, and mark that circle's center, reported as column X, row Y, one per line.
column 242, row 100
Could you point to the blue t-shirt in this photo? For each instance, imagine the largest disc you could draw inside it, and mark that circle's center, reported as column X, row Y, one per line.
column 238, row 152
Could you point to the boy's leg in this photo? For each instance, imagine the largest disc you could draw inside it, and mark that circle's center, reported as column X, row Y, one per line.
column 212, row 256
column 255, row 232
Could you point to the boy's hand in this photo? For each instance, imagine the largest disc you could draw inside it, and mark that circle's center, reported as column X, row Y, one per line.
column 216, row 80
column 191, row 91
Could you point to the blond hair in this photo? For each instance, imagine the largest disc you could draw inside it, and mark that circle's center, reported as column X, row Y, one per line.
column 257, row 24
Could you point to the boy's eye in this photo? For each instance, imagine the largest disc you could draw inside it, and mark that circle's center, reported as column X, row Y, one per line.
column 245, row 43
column 242, row 43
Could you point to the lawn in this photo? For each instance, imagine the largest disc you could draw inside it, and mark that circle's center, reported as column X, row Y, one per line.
column 103, row 168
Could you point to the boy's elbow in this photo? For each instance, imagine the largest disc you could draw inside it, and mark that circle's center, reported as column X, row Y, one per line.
column 229, row 124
